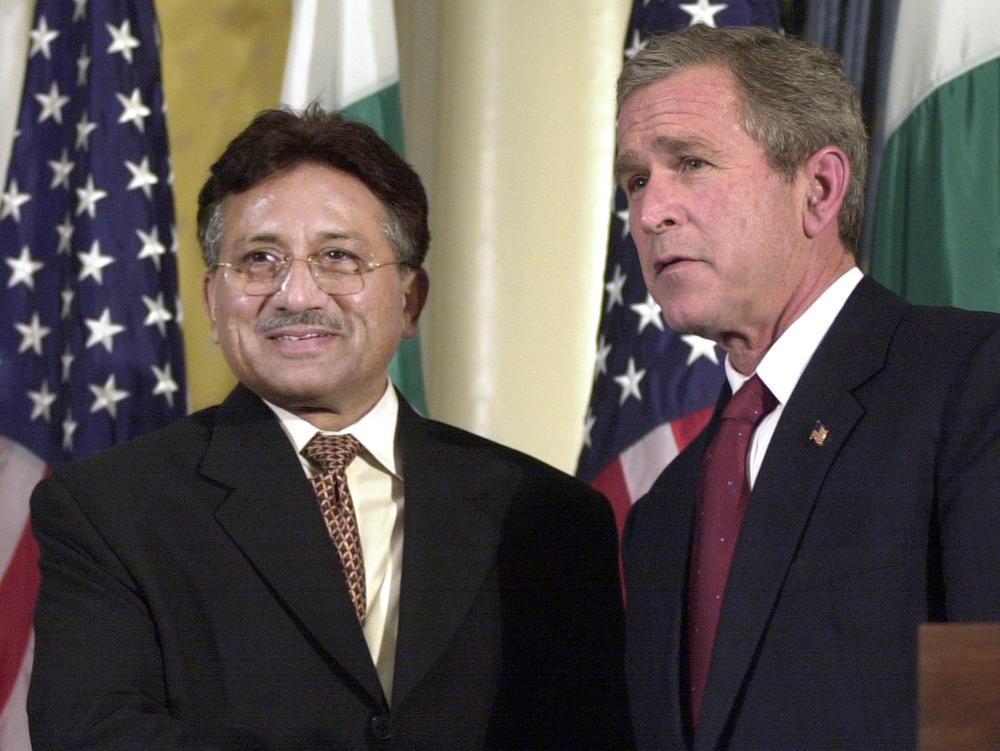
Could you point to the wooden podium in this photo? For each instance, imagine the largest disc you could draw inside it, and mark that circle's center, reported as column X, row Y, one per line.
column 959, row 686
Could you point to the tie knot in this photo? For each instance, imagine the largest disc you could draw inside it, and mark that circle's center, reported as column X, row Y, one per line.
column 751, row 403
column 332, row 452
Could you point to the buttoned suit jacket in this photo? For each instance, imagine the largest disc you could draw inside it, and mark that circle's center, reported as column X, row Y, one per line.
column 191, row 598
column 847, row 545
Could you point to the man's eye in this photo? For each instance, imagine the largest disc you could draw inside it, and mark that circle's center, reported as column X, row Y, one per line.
column 693, row 163
column 334, row 259
column 260, row 257
column 637, row 182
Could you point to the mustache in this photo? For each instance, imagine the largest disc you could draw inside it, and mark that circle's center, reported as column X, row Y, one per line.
column 305, row 318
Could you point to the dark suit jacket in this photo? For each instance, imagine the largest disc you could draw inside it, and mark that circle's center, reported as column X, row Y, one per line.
column 845, row 547
column 191, row 598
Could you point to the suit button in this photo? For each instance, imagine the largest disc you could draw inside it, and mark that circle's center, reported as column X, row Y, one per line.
column 381, row 727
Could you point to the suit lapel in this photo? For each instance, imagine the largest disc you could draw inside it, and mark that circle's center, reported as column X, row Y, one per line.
column 789, row 482
column 273, row 518
column 456, row 501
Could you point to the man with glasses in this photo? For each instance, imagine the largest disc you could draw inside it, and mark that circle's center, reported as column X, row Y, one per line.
column 312, row 564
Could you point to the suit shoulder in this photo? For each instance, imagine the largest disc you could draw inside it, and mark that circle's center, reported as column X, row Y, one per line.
column 177, row 442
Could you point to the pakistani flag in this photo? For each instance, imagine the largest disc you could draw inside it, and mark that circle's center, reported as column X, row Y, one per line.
column 342, row 53
column 936, row 230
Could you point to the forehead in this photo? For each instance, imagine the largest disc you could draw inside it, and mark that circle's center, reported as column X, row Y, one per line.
column 306, row 196
column 696, row 102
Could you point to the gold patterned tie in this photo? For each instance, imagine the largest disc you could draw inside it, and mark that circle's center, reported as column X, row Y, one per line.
column 333, row 453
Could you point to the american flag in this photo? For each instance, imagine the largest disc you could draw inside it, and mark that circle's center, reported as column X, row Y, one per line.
column 653, row 390
column 90, row 339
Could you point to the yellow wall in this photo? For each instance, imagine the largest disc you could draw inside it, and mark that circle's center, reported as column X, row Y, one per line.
column 222, row 63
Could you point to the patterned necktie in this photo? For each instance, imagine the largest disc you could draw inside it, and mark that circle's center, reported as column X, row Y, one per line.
column 333, row 453
column 723, row 492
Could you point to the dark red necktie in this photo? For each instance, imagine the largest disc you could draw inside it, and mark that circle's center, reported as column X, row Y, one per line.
column 723, row 492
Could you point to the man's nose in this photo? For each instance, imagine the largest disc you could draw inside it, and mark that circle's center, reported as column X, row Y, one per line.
column 299, row 289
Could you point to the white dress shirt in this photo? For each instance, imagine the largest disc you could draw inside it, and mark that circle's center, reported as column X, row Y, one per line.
column 377, row 492
column 787, row 358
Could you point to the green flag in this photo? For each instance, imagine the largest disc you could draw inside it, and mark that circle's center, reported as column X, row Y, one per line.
column 936, row 229
column 343, row 53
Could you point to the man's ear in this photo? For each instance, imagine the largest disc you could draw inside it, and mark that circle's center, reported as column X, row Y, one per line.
column 208, row 299
column 415, row 289
column 828, row 173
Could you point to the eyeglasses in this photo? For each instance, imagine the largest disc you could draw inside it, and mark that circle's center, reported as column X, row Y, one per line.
column 336, row 272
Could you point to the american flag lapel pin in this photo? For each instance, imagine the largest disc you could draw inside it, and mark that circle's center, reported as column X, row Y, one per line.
column 819, row 433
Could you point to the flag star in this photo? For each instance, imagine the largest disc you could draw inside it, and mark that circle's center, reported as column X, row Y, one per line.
column 649, row 313
column 83, row 67
column 142, row 176
column 69, row 426
column 179, row 310
column 89, row 195
column 700, row 347
column 83, row 130
column 67, row 359
column 637, row 44
column 629, row 382
column 174, row 246
column 41, row 36
column 614, row 289
column 601, row 360
column 24, row 267
column 133, row 110
column 32, row 334
column 42, row 402
column 80, row 11
column 12, row 201
column 65, row 232
column 103, row 330
column 623, row 218
column 106, row 397
column 67, row 296
column 52, row 104
column 61, row 170
column 165, row 383
column 588, row 427
column 158, row 316
column 122, row 40
column 93, row 263
column 151, row 245
column 703, row 11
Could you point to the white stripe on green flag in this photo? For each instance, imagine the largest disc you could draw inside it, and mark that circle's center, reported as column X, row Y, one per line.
column 935, row 234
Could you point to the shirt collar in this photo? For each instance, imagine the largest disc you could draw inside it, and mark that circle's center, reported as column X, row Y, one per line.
column 784, row 362
column 376, row 430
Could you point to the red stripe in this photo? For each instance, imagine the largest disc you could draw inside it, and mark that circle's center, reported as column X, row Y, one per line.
column 18, row 590
column 687, row 428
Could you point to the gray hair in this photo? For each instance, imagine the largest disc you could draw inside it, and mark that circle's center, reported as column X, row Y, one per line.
column 794, row 98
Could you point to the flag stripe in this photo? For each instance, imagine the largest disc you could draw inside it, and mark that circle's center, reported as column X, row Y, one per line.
column 18, row 589
column 937, row 207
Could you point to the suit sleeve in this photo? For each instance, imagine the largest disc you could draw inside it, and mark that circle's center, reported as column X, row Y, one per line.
column 968, row 508
column 97, row 680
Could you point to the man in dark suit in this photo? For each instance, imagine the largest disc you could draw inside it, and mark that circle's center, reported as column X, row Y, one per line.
column 220, row 584
column 778, row 570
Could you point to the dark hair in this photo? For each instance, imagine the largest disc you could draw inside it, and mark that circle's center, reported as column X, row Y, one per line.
column 794, row 98
column 280, row 139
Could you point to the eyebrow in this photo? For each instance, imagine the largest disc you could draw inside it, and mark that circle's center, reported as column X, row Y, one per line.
column 272, row 237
